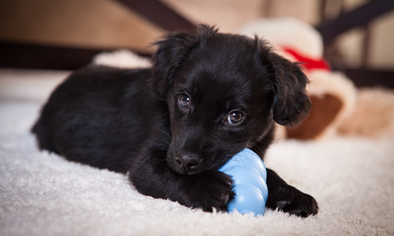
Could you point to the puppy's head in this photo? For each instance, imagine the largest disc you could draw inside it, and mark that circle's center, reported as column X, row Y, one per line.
column 223, row 93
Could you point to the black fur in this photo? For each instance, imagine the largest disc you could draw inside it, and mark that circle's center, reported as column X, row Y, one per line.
column 208, row 96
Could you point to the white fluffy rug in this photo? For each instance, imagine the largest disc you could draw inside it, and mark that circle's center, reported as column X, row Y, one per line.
column 40, row 194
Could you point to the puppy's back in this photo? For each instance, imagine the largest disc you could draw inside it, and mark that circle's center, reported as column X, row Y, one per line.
column 87, row 110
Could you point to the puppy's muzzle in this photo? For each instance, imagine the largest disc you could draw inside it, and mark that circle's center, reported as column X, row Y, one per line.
column 187, row 162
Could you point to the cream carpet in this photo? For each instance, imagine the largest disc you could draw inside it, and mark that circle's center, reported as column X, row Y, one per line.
column 352, row 178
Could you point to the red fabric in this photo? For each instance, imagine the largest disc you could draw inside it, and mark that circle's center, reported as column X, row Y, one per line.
column 307, row 62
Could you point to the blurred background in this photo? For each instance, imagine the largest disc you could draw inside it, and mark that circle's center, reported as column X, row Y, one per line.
column 358, row 35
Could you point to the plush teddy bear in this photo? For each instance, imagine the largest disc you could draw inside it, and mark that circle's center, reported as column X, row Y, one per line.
column 337, row 106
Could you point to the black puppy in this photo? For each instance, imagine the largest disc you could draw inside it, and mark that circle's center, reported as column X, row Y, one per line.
column 208, row 96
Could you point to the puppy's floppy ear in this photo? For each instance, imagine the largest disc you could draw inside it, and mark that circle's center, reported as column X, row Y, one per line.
column 291, row 104
column 170, row 55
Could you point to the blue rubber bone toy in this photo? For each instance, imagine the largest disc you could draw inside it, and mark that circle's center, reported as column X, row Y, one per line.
column 249, row 175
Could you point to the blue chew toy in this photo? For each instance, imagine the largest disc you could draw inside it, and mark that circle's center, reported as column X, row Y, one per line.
column 249, row 175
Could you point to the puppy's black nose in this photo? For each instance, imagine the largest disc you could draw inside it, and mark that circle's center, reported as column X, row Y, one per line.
column 187, row 162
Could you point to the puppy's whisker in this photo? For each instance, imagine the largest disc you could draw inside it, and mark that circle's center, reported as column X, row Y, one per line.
column 166, row 133
column 166, row 142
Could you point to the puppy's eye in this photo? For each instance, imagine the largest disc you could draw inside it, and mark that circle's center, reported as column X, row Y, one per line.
column 235, row 118
column 184, row 101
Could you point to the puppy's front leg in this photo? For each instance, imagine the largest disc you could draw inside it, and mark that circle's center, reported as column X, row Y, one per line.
column 209, row 189
column 287, row 198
